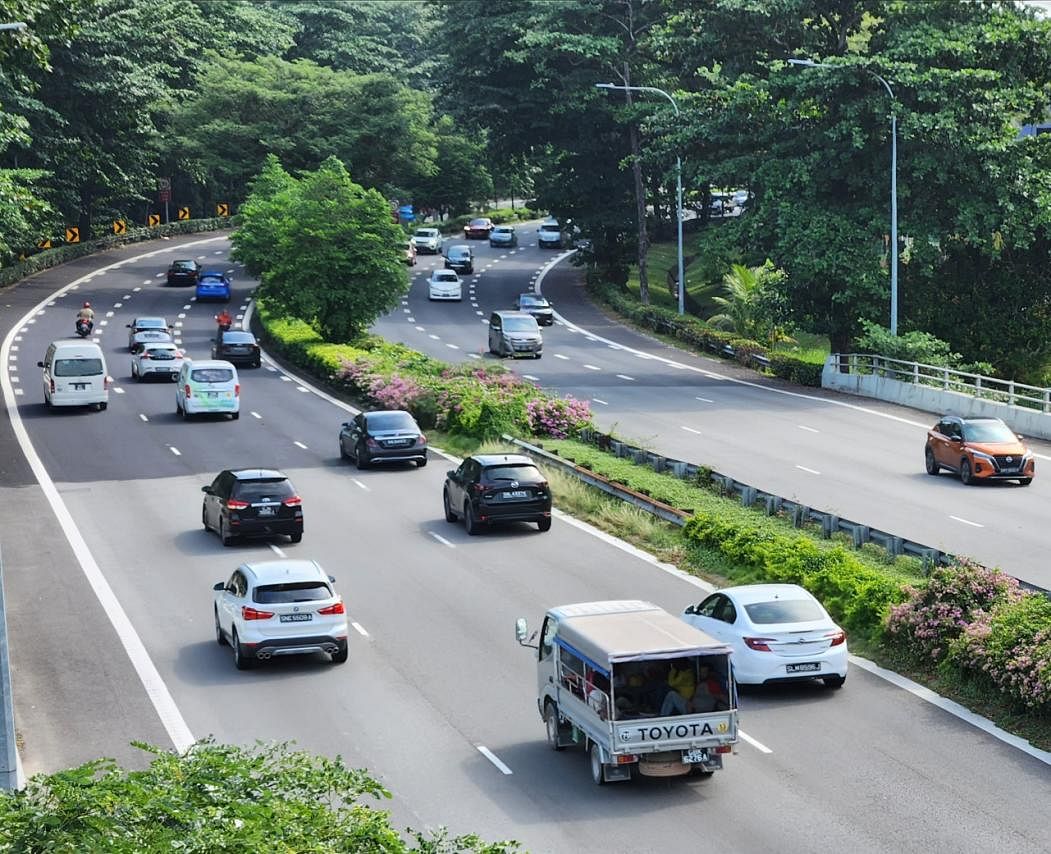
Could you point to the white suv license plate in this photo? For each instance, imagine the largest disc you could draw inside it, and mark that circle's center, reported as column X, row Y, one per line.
column 809, row 667
column 695, row 756
column 296, row 618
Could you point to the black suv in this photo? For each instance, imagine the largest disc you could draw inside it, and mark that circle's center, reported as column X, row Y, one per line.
column 252, row 503
column 238, row 347
column 460, row 259
column 536, row 305
column 387, row 435
column 490, row 488
column 183, row 272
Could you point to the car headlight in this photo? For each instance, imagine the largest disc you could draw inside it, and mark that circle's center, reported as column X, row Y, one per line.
column 986, row 457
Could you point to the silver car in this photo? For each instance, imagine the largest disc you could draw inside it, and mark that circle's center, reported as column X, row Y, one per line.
column 515, row 333
column 427, row 240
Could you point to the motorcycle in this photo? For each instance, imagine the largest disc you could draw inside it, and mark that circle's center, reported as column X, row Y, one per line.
column 83, row 327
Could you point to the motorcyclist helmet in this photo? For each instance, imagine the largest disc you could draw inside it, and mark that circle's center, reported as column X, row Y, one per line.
column 87, row 305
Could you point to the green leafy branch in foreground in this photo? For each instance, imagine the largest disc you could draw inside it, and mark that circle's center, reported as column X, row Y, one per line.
column 213, row 798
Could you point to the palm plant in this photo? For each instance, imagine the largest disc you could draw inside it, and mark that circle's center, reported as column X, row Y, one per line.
column 743, row 309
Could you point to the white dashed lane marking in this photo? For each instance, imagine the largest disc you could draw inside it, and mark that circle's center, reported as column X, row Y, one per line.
column 808, row 429
column 360, row 629
column 593, row 367
column 143, row 417
column 492, row 757
column 704, row 400
column 441, row 539
column 299, row 444
column 597, row 400
column 276, row 550
column 625, row 377
column 360, row 484
column 967, row 522
column 175, row 450
column 808, row 471
column 560, row 356
column 530, row 377
column 691, row 430
column 255, row 414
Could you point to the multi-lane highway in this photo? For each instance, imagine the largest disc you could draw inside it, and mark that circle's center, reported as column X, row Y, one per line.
column 437, row 699
column 858, row 458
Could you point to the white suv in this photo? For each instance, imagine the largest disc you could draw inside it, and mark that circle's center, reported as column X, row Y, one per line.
column 427, row 240
column 549, row 234
column 279, row 607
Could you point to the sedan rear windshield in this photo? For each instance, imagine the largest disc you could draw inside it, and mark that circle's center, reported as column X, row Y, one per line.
column 160, row 353
column 987, row 431
column 212, row 280
column 446, row 276
column 519, row 324
column 78, row 367
column 503, row 229
column 211, row 375
column 299, row 591
column 150, row 323
column 183, row 265
column 391, row 421
column 522, row 473
column 784, row 611
column 238, row 338
column 529, row 299
column 249, row 490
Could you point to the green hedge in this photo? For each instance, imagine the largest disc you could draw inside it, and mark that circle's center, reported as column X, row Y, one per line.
column 61, row 254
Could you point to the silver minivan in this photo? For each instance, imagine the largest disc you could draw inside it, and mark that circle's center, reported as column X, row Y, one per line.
column 75, row 375
column 515, row 333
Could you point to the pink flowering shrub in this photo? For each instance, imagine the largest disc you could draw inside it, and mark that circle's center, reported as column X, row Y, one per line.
column 1011, row 647
column 954, row 597
column 557, row 417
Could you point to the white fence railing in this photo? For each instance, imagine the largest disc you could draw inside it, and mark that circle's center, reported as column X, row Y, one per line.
column 986, row 388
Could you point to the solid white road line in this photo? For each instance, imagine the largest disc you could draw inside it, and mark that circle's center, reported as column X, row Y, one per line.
column 175, row 450
column 809, row 471
column 492, row 757
column 808, row 429
column 762, row 748
column 442, row 539
column 300, row 444
column 967, row 522
column 359, row 483
column 691, row 430
column 360, row 629
column 276, row 550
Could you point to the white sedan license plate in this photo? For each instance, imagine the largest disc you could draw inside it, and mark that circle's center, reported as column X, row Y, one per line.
column 694, row 756
column 296, row 618
column 518, row 493
column 809, row 667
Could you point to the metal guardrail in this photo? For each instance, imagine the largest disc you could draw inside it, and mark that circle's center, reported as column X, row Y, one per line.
column 947, row 379
column 750, row 496
column 9, row 776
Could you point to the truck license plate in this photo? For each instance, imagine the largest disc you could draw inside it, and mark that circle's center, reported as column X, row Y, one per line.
column 695, row 756
column 809, row 667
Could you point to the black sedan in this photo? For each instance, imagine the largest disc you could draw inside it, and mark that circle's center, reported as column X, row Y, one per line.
column 536, row 305
column 489, row 488
column 252, row 503
column 460, row 259
column 389, row 435
column 238, row 347
column 183, row 272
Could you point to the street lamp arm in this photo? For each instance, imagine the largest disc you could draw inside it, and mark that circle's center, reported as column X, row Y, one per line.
column 640, row 89
column 886, row 85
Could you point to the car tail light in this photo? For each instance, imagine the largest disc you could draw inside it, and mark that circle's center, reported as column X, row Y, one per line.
column 52, row 385
column 237, row 390
column 332, row 610
column 627, row 758
column 758, row 644
column 724, row 748
column 292, row 501
column 186, row 390
column 836, row 637
column 235, row 504
column 252, row 614
column 145, row 355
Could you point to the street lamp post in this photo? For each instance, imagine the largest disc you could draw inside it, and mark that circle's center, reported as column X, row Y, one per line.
column 678, row 180
column 809, row 63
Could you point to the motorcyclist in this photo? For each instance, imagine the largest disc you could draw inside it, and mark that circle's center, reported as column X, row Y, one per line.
column 224, row 320
column 86, row 313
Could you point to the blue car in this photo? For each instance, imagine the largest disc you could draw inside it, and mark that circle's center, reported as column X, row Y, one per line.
column 213, row 284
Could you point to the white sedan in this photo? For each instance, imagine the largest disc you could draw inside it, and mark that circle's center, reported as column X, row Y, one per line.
column 444, row 284
column 778, row 632
column 161, row 359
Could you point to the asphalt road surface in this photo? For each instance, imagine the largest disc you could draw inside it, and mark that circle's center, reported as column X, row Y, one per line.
column 434, row 674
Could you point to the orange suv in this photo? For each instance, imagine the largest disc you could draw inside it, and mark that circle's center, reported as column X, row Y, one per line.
column 978, row 449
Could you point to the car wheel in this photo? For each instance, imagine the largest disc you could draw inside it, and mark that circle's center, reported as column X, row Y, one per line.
column 469, row 522
column 341, row 654
column 220, row 638
column 697, row 771
column 537, row 355
column 361, row 457
column 834, row 681
column 297, row 537
column 928, row 458
column 450, row 514
column 224, row 535
column 1024, row 481
column 204, row 519
column 258, row 363
column 241, row 661
column 342, row 451
column 102, row 407
column 551, row 725
column 544, row 524
column 965, row 473
column 421, row 462
column 595, row 761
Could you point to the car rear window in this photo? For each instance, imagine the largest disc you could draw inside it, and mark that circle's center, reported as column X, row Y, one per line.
column 391, row 421
column 212, row 280
column 479, row 222
column 78, row 367
column 520, row 324
column 529, row 299
column 784, row 611
column 150, row 323
column 182, row 265
column 446, row 276
column 263, row 488
column 238, row 338
column 211, row 375
column 298, row 591
column 160, row 352
column 523, row 473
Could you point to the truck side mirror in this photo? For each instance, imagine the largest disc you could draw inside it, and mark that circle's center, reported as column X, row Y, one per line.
column 219, row 585
column 521, row 629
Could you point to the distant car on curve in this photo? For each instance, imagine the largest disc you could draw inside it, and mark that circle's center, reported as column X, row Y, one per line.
column 444, row 285
column 183, row 272
column 503, row 237
column 460, row 258
column 549, row 234
column 778, row 633
column 488, row 488
column 279, row 607
column 252, row 503
column 157, row 359
column 237, row 347
column 388, row 435
column 427, row 240
column 978, row 449
column 213, row 285
column 536, row 305
column 478, row 228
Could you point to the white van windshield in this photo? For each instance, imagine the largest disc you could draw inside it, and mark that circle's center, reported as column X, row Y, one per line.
column 78, row 367
column 211, row 375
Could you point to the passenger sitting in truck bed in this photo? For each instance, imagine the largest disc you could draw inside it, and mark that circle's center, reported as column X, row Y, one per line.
column 704, row 693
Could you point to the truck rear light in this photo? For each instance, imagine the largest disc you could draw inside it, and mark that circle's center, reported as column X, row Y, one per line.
column 248, row 613
column 724, row 748
column 52, row 385
column 627, row 759
column 293, row 501
column 332, row 610
column 759, row 644
column 237, row 390
column 235, row 504
column 837, row 637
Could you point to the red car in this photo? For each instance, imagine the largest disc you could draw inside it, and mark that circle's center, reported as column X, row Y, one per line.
column 478, row 229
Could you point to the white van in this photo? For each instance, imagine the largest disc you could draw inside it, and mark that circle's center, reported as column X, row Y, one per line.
column 208, row 385
column 75, row 375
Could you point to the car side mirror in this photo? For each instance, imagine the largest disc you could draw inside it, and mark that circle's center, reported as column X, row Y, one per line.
column 40, row 364
column 219, row 585
column 207, row 490
column 332, row 578
column 690, row 609
column 127, row 326
column 451, row 474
